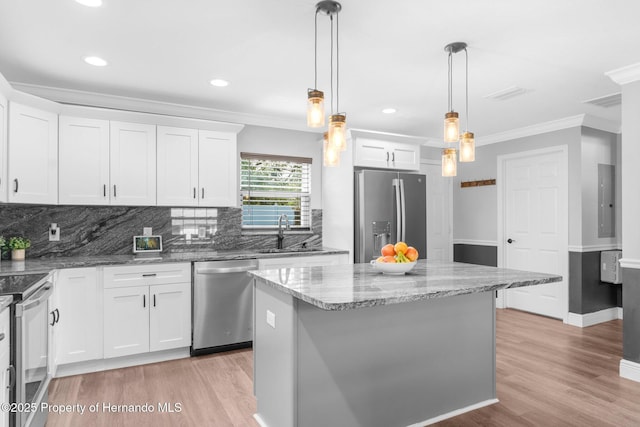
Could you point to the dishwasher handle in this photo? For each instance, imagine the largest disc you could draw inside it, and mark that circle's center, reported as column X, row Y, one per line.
column 220, row 270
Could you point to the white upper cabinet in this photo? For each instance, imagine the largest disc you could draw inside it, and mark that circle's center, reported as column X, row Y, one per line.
column 133, row 164
column 386, row 154
column 84, row 161
column 33, row 155
column 177, row 166
column 3, row 148
column 218, row 168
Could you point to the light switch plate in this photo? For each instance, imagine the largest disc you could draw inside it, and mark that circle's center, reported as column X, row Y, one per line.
column 54, row 233
column 147, row 231
column 271, row 319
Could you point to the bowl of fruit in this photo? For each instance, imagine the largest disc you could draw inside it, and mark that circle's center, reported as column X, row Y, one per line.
column 396, row 259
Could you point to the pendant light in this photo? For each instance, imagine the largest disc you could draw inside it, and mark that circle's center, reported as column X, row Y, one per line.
column 467, row 141
column 451, row 121
column 330, row 154
column 449, row 166
column 315, row 97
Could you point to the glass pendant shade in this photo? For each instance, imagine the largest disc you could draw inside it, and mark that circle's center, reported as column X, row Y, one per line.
column 467, row 147
column 338, row 131
column 449, row 166
column 331, row 156
column 451, row 127
column 315, row 108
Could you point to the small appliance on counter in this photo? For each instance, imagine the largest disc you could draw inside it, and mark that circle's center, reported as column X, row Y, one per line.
column 147, row 246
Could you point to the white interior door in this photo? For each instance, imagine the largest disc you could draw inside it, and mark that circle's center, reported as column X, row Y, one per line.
column 439, row 236
column 535, row 227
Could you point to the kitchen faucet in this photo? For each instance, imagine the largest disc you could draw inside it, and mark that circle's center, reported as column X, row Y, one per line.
column 285, row 218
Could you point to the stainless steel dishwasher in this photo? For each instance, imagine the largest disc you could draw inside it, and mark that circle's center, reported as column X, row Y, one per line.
column 222, row 305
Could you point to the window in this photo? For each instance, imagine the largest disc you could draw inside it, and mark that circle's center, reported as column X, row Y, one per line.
column 271, row 186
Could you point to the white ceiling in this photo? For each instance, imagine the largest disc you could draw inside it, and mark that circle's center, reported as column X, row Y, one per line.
column 391, row 55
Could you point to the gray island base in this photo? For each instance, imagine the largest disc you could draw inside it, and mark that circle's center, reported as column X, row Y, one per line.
column 348, row 346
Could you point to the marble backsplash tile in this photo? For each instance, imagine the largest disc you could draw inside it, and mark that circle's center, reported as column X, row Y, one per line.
column 108, row 230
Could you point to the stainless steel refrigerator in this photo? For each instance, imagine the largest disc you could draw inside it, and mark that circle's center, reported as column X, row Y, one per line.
column 389, row 207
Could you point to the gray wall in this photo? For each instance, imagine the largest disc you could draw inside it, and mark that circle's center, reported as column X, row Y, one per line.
column 631, row 315
column 476, row 254
column 587, row 294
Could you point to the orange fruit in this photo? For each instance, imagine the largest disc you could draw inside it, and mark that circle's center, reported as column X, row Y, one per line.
column 380, row 259
column 400, row 247
column 389, row 259
column 388, row 250
column 411, row 253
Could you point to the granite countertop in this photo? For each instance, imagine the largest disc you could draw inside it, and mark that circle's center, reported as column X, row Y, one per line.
column 19, row 285
column 46, row 265
column 344, row 287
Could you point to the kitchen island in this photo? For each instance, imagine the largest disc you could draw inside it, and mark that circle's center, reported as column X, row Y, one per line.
column 348, row 346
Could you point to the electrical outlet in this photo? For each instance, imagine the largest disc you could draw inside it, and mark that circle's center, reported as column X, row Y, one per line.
column 54, row 232
column 271, row 319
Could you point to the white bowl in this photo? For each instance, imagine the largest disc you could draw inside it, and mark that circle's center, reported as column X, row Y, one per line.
column 393, row 268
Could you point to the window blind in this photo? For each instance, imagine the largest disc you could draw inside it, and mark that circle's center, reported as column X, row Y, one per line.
column 271, row 186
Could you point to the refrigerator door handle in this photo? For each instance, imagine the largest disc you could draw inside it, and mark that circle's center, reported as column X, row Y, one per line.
column 403, row 225
column 399, row 217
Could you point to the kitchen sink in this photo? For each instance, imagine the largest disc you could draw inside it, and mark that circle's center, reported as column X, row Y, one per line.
column 287, row 250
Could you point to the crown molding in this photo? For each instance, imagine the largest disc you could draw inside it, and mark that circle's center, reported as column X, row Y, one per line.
column 117, row 102
column 551, row 126
column 389, row 136
column 624, row 75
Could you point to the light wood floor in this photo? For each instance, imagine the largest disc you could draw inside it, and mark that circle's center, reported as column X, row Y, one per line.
column 548, row 374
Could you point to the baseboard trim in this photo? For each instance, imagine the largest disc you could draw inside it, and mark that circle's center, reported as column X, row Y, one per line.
column 594, row 248
column 454, row 413
column 475, row 242
column 120, row 362
column 590, row 319
column 630, row 370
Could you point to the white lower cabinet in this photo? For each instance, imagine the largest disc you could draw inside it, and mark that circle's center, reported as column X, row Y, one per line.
column 4, row 365
column 146, row 308
column 78, row 311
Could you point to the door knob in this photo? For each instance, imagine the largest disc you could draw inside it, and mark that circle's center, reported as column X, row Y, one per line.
column 510, row 241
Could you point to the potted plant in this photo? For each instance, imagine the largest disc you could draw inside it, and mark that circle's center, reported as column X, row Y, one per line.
column 3, row 247
column 17, row 245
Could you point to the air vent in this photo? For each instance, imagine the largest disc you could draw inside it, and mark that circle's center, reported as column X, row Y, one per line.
column 606, row 101
column 507, row 93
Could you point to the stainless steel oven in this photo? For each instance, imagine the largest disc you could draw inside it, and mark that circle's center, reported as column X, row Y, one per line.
column 31, row 328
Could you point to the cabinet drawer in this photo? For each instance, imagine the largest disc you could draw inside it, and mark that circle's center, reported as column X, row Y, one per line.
column 152, row 274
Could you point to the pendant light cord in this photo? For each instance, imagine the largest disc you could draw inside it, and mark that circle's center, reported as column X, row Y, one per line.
column 466, row 76
column 315, row 53
column 337, row 66
column 450, row 76
column 331, row 18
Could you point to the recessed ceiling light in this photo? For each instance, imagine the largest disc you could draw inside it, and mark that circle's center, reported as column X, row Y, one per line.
column 219, row 83
column 90, row 3
column 389, row 110
column 94, row 60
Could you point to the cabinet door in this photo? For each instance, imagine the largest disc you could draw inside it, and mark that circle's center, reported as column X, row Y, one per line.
column 133, row 164
column 371, row 153
column 126, row 321
column 405, row 156
column 170, row 316
column 33, row 155
column 79, row 328
column 3, row 148
column 218, row 169
column 177, row 166
column 4, row 365
column 84, row 161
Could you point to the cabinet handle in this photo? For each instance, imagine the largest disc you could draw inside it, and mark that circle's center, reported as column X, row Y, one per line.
column 144, row 301
column 15, row 181
column 12, row 376
column 57, row 314
column 387, row 156
column 203, row 192
column 393, row 157
column 104, row 190
column 154, row 300
column 149, row 275
column 114, row 190
column 194, row 192
column 53, row 321
column 1, row 336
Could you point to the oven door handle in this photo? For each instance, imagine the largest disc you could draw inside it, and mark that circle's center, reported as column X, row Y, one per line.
column 39, row 297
